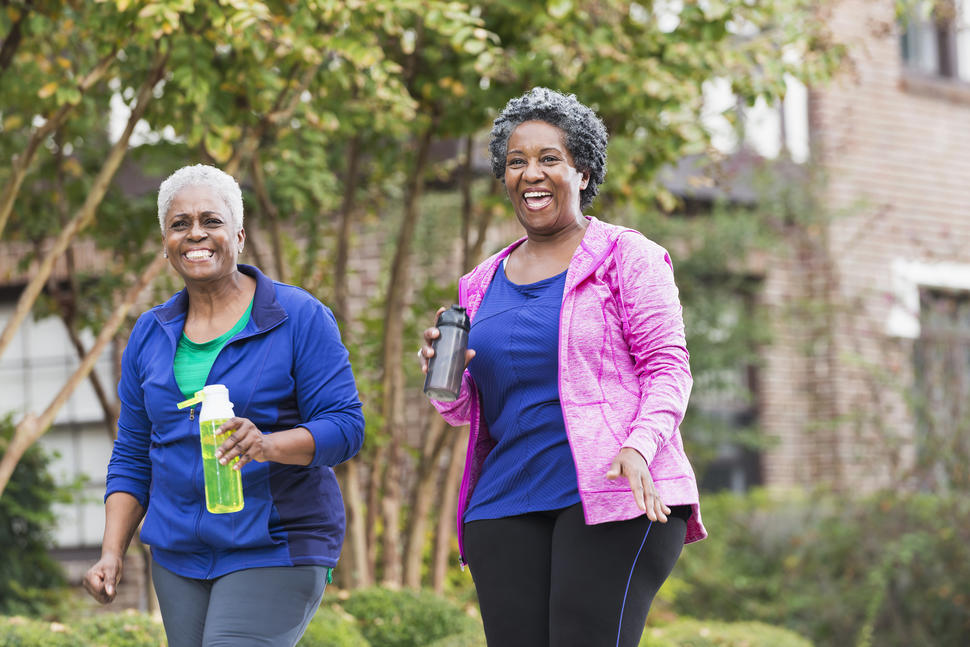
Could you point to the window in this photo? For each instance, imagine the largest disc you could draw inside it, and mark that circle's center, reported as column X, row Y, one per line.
column 936, row 39
column 942, row 394
column 34, row 367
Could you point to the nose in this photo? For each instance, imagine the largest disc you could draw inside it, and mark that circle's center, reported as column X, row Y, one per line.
column 533, row 172
column 197, row 231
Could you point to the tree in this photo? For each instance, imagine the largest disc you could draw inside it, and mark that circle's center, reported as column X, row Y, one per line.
column 330, row 114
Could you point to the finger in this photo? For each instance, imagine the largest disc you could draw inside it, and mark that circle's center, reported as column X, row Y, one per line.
column 469, row 355
column 636, row 486
column 614, row 472
column 654, row 503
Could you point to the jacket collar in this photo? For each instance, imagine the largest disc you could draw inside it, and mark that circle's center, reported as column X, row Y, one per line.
column 267, row 311
column 597, row 244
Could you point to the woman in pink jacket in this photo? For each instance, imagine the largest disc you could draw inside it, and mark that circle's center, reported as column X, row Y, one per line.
column 577, row 496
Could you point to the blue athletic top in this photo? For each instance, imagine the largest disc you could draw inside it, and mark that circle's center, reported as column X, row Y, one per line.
column 516, row 339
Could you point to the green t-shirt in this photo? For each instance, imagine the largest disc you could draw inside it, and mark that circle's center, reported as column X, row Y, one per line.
column 194, row 361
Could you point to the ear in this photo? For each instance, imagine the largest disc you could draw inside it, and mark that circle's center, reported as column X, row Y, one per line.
column 585, row 181
column 240, row 239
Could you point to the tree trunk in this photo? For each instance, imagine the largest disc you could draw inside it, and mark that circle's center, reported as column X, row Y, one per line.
column 31, row 428
column 21, row 163
column 436, row 439
column 362, row 573
column 13, row 39
column 393, row 380
column 343, row 232
column 86, row 213
column 448, row 500
column 272, row 214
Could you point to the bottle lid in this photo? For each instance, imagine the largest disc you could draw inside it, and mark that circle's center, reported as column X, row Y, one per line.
column 211, row 392
column 454, row 316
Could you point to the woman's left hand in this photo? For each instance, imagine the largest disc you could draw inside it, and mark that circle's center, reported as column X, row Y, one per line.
column 247, row 442
column 631, row 464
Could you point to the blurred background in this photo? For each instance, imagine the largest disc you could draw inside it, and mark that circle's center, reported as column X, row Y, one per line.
column 807, row 165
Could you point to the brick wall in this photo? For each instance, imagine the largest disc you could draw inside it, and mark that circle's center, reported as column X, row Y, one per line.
column 894, row 151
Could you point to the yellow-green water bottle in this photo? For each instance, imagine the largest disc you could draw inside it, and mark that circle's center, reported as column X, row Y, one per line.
column 223, row 484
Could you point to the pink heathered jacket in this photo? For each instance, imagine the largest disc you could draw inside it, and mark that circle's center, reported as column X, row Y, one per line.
column 624, row 376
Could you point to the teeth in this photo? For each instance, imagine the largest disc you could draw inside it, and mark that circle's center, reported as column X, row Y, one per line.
column 198, row 254
column 536, row 194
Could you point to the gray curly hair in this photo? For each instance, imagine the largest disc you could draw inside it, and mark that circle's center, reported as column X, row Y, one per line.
column 586, row 135
column 219, row 181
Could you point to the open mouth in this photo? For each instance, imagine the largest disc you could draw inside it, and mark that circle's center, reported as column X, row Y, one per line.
column 535, row 200
column 198, row 254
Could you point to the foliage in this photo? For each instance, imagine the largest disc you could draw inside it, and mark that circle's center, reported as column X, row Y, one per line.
column 405, row 618
column 108, row 630
column 707, row 633
column 128, row 629
column 286, row 91
column 881, row 570
column 330, row 628
column 468, row 639
column 30, row 580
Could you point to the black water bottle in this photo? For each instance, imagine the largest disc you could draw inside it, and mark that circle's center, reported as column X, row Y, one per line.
column 448, row 362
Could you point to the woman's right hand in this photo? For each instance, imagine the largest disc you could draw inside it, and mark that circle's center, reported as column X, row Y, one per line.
column 101, row 580
column 426, row 352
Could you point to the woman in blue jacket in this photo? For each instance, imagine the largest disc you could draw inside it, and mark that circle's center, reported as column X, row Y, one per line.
column 253, row 577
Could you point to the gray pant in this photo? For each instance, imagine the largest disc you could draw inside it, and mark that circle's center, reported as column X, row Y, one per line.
column 256, row 607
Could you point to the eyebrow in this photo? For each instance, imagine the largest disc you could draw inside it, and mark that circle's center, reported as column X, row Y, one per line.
column 204, row 213
column 547, row 148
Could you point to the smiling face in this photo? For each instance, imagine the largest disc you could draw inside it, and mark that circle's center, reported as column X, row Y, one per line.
column 200, row 236
column 541, row 179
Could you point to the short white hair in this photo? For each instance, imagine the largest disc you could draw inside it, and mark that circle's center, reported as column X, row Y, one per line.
column 202, row 175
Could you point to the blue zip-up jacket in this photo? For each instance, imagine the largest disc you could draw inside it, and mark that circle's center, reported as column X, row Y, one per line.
column 286, row 368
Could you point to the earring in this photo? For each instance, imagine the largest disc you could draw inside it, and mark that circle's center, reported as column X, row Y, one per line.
column 240, row 249
column 164, row 254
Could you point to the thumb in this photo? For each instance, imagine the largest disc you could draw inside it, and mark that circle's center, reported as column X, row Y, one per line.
column 615, row 469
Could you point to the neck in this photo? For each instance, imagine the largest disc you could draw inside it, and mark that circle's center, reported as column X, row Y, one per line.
column 566, row 239
column 207, row 300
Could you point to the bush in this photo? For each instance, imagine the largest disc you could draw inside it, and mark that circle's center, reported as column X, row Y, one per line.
column 31, row 582
column 468, row 639
column 128, row 629
column 329, row 628
column 405, row 618
column 711, row 633
column 18, row 631
column 109, row 630
column 889, row 570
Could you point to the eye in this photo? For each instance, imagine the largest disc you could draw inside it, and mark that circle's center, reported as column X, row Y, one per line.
column 549, row 159
column 516, row 161
column 178, row 225
column 212, row 222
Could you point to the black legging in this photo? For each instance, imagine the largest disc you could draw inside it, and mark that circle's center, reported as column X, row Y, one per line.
column 546, row 578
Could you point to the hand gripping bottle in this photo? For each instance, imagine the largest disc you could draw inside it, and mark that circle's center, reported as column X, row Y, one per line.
column 223, row 485
column 447, row 365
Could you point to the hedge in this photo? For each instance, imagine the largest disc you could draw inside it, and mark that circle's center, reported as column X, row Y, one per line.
column 890, row 569
column 712, row 633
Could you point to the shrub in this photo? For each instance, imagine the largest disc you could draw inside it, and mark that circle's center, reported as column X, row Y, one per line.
column 711, row 633
column 891, row 569
column 107, row 630
column 31, row 582
column 129, row 629
column 329, row 628
column 405, row 618
column 467, row 639
column 18, row 631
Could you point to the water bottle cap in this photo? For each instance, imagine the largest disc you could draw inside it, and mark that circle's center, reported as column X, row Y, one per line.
column 454, row 316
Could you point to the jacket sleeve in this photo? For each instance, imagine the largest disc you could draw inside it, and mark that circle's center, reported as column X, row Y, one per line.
column 130, row 468
column 654, row 329
column 458, row 413
column 326, row 392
